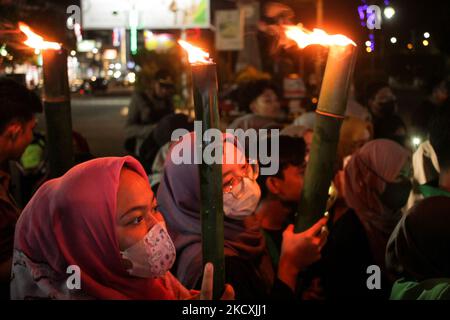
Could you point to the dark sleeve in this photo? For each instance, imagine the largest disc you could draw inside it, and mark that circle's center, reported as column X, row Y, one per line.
column 7, row 225
column 134, row 126
column 242, row 276
column 345, row 259
column 247, row 285
column 133, row 110
column 421, row 116
column 281, row 291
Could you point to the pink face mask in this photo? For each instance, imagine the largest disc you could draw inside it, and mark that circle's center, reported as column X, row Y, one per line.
column 153, row 255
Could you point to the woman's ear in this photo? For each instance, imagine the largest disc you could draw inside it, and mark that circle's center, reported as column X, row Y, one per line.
column 273, row 185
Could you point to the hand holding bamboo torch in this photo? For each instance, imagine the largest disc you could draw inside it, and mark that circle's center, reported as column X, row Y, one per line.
column 330, row 113
column 56, row 102
column 204, row 85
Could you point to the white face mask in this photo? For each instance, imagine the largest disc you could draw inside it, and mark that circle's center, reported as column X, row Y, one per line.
column 246, row 204
column 153, row 255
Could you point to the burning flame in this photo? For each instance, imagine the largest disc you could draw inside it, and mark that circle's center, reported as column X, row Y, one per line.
column 36, row 41
column 195, row 54
column 304, row 37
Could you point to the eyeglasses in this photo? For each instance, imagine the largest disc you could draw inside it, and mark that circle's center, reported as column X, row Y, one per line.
column 236, row 186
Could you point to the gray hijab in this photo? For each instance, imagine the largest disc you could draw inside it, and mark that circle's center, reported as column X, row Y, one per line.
column 179, row 201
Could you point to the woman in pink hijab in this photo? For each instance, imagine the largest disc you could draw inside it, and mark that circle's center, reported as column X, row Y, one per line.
column 99, row 222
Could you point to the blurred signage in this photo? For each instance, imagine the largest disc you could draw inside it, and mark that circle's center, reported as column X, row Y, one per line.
column 110, row 54
column 86, row 45
column 158, row 42
column 294, row 87
column 151, row 14
column 229, row 29
column 251, row 13
column 116, row 37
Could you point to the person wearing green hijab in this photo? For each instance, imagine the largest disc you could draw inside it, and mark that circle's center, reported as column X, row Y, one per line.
column 418, row 252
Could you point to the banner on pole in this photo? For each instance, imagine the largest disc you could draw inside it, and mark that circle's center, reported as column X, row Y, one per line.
column 229, row 30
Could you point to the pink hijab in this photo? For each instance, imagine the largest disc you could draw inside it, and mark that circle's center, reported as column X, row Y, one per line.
column 375, row 161
column 71, row 221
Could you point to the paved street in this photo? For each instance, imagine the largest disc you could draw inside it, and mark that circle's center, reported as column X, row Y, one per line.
column 101, row 121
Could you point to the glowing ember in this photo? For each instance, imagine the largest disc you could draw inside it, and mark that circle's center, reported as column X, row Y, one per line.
column 304, row 38
column 195, row 54
column 36, row 41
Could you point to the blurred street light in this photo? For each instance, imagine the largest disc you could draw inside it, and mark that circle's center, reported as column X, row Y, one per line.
column 368, row 43
column 3, row 51
column 389, row 12
column 410, row 46
column 131, row 77
column 117, row 74
column 425, row 43
column 426, row 35
column 393, row 40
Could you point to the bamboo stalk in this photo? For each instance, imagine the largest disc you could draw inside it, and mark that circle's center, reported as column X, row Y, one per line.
column 330, row 114
column 57, row 112
column 204, row 80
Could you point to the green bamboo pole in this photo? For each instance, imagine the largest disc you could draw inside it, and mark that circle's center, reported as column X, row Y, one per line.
column 204, row 80
column 57, row 112
column 330, row 113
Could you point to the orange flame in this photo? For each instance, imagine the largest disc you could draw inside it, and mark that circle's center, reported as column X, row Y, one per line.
column 36, row 41
column 304, row 38
column 195, row 54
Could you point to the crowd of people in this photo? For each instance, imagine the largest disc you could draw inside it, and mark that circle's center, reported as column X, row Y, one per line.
column 132, row 225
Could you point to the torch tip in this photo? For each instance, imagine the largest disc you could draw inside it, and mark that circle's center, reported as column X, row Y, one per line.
column 35, row 41
column 196, row 55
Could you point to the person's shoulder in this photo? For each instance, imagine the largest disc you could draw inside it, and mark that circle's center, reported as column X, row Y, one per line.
column 247, row 117
column 349, row 225
column 139, row 96
column 348, row 216
column 241, row 122
column 430, row 289
column 357, row 110
column 306, row 119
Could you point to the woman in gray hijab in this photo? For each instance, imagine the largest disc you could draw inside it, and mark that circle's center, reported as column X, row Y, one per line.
column 247, row 264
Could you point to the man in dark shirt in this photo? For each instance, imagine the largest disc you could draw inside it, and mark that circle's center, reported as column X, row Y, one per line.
column 147, row 108
column 17, row 108
column 437, row 90
column 280, row 193
column 382, row 103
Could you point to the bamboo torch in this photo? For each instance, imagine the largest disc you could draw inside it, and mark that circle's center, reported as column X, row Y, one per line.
column 204, row 83
column 56, row 100
column 329, row 115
